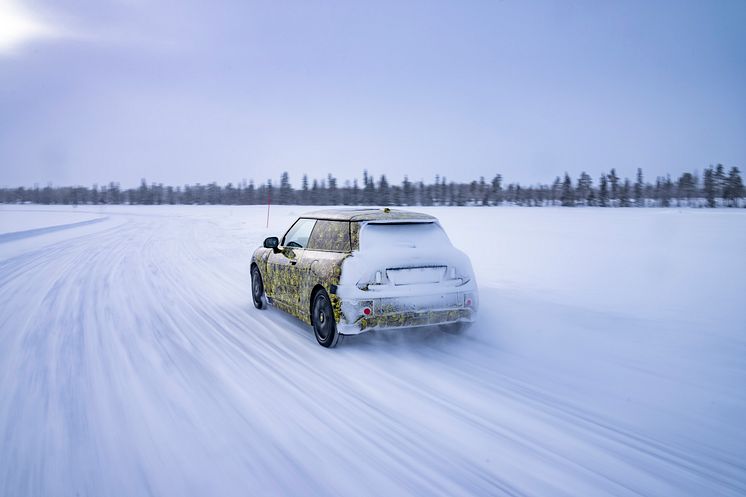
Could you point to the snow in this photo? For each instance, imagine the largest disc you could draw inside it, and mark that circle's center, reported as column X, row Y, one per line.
column 384, row 236
column 404, row 264
column 19, row 220
column 609, row 358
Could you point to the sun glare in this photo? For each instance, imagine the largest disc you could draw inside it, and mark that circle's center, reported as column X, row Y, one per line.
column 18, row 26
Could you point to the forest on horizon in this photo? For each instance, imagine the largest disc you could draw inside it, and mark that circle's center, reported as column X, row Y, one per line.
column 716, row 188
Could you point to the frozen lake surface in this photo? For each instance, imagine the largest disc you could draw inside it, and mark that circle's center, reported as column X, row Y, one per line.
column 609, row 358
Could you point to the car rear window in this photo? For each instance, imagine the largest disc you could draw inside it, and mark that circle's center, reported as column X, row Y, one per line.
column 330, row 235
column 389, row 235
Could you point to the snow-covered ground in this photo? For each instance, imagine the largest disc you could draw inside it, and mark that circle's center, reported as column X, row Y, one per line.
column 609, row 358
column 30, row 220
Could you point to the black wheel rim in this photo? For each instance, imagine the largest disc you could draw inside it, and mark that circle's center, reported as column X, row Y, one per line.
column 324, row 320
column 256, row 286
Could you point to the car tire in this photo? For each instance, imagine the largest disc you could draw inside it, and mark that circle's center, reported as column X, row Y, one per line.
column 257, row 288
column 322, row 318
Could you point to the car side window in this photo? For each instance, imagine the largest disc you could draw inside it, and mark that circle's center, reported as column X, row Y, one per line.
column 297, row 236
column 333, row 236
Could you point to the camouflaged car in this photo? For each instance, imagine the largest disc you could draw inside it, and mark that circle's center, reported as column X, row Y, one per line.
column 345, row 271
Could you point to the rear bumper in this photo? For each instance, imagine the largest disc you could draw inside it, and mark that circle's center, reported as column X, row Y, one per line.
column 407, row 320
column 412, row 309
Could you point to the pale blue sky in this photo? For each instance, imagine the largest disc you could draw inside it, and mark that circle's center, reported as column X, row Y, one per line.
column 199, row 91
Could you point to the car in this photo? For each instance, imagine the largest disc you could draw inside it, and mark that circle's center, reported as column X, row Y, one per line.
column 347, row 271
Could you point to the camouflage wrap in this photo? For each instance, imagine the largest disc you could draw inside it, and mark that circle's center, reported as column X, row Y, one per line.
column 325, row 269
column 291, row 274
column 408, row 319
column 355, row 235
column 277, row 271
column 329, row 235
column 260, row 259
column 390, row 215
column 368, row 215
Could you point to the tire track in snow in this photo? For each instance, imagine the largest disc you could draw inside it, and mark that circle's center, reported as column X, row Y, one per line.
column 133, row 364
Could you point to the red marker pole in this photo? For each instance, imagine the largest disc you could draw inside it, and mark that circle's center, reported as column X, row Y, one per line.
column 268, row 203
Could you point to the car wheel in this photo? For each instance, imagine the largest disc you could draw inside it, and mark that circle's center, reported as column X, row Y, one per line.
column 322, row 317
column 257, row 288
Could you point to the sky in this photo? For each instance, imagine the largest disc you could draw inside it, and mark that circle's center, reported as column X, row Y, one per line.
column 188, row 91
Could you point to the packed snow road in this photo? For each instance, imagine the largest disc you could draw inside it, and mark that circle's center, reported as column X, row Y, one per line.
column 609, row 358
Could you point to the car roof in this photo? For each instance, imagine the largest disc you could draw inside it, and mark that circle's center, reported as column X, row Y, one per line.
column 368, row 215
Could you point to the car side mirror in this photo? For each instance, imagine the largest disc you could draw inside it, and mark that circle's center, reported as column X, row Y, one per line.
column 272, row 242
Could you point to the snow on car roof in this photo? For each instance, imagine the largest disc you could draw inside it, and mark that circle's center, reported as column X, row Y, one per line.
column 367, row 215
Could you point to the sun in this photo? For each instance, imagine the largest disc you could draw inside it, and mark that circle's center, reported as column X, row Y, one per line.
column 18, row 26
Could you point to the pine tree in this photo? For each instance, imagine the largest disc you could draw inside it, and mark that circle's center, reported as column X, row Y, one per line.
column 567, row 199
column 213, row 194
column 734, row 189
column 687, row 188
column 368, row 189
column 332, row 192
column 283, row 196
column 614, row 180
column 304, row 195
column 497, row 189
column 710, row 187
column 384, row 193
column 484, row 192
column 269, row 193
column 556, row 190
column 584, row 188
column 407, row 192
column 719, row 179
column 457, row 194
column 666, row 191
column 315, row 193
column 449, row 197
column 639, row 185
column 142, row 194
column 625, row 193
column 417, row 193
column 518, row 200
column 395, row 195
column 344, row 193
column 592, row 198
column 355, row 193
column 603, row 192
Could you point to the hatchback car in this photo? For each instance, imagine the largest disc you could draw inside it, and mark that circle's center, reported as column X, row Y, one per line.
column 346, row 271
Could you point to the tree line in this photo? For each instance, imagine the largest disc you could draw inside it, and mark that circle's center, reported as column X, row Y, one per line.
column 716, row 188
